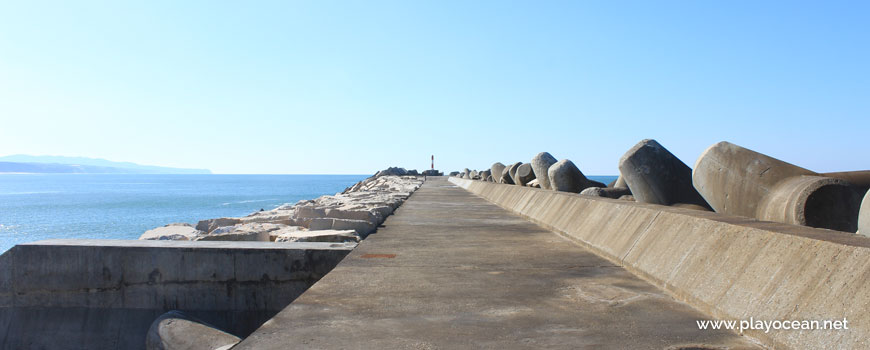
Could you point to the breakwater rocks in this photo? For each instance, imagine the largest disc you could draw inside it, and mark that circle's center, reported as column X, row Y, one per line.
column 348, row 216
column 727, row 179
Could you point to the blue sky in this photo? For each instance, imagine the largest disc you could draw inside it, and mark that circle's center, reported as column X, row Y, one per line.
column 356, row 86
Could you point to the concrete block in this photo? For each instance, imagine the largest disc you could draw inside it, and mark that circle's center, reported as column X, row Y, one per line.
column 176, row 330
column 496, row 170
column 738, row 181
column 540, row 165
column 656, row 176
column 864, row 216
column 566, row 177
column 524, row 174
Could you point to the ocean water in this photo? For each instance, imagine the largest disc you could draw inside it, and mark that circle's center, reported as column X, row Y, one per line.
column 122, row 206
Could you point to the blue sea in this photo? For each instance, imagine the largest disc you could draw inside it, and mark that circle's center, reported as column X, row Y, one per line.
column 43, row 206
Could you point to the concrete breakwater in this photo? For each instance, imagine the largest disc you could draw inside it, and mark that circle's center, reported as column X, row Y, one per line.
column 731, row 237
column 231, row 274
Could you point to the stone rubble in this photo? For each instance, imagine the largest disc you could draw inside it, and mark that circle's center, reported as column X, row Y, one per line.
column 349, row 216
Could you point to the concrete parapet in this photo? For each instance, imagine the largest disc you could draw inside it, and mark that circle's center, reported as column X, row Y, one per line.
column 104, row 294
column 728, row 267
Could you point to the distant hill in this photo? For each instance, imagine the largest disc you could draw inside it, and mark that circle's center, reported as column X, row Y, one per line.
column 21, row 163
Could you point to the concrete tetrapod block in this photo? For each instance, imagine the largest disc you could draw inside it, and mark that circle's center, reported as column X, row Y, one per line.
column 484, row 175
column 505, row 177
column 524, row 174
column 540, row 164
column 175, row 330
column 512, row 171
column 609, row 192
column 656, row 176
column 620, row 182
column 566, row 177
column 738, row 181
column 864, row 216
column 496, row 170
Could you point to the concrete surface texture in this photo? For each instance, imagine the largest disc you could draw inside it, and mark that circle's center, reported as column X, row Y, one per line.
column 864, row 216
column 451, row 271
column 176, row 330
column 738, row 181
column 656, row 176
column 728, row 267
column 104, row 294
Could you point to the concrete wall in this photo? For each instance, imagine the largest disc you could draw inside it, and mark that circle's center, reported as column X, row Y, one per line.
column 728, row 267
column 104, row 294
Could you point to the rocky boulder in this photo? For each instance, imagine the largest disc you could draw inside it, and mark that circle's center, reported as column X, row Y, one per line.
column 541, row 164
column 334, row 236
column 243, row 232
column 212, row 224
column 176, row 232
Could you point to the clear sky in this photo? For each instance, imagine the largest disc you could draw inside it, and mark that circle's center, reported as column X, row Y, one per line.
column 356, row 86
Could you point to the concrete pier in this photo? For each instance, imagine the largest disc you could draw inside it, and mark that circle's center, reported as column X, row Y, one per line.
column 450, row 270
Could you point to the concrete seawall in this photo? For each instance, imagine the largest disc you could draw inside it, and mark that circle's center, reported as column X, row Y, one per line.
column 727, row 267
column 104, row 294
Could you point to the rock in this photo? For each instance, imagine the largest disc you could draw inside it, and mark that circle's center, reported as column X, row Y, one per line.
column 864, row 216
column 175, row 330
column 454, row 173
column 412, row 172
column 534, row 183
column 512, row 171
column 336, row 236
column 211, row 224
column 564, row 176
column 627, row 197
column 541, row 163
column 475, row 175
column 276, row 216
column 391, row 171
column 656, row 176
column 605, row 192
column 243, row 232
column 363, row 228
column 739, row 181
column 506, row 177
column 496, row 170
column 524, row 174
column 358, row 214
column 176, row 232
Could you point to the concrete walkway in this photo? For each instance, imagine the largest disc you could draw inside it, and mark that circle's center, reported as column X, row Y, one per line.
column 450, row 270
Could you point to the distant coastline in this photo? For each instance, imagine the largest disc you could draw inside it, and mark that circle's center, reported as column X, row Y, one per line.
column 27, row 164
